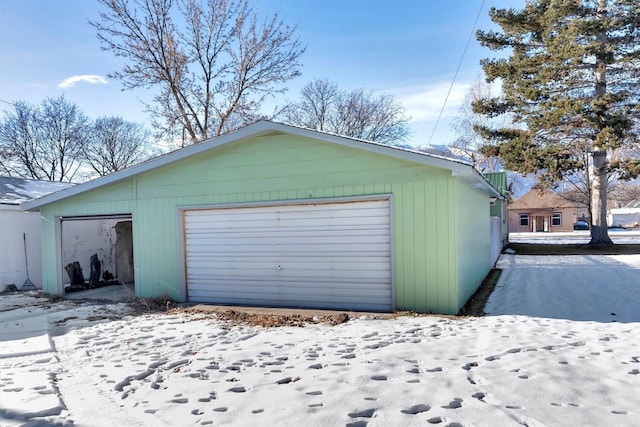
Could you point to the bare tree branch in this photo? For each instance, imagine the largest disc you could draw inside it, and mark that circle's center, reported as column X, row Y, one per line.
column 115, row 144
column 212, row 62
column 43, row 142
column 357, row 114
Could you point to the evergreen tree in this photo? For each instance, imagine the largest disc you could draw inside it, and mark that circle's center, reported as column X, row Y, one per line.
column 571, row 84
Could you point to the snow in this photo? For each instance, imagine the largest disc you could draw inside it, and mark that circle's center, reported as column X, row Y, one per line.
column 578, row 288
column 618, row 235
column 18, row 190
column 550, row 352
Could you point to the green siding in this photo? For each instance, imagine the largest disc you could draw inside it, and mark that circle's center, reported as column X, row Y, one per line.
column 473, row 241
column 499, row 207
column 284, row 167
column 498, row 180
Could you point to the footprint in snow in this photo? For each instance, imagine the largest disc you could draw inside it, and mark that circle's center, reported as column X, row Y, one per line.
column 416, row 409
column 454, row 404
column 367, row 413
column 479, row 396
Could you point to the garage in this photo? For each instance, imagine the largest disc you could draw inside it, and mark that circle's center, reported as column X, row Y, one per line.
column 275, row 215
column 320, row 254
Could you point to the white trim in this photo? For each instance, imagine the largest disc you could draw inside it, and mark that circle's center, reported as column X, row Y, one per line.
column 10, row 206
column 97, row 216
column 58, row 255
column 182, row 253
column 463, row 171
column 289, row 202
column 393, row 254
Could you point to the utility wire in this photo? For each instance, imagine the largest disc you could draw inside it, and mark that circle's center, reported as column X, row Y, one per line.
column 464, row 52
column 7, row 102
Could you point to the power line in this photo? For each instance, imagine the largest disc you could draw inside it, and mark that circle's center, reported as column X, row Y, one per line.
column 464, row 52
column 7, row 102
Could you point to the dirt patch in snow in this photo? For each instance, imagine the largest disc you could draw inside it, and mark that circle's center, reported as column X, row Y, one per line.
column 268, row 320
column 475, row 305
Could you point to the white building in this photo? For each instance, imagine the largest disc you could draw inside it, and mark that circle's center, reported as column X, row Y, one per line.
column 20, row 231
column 628, row 217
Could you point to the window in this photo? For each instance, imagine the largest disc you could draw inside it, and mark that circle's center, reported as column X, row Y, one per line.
column 524, row 220
column 556, row 219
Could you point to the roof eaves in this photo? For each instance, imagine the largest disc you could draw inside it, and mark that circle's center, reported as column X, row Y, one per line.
column 165, row 159
column 458, row 168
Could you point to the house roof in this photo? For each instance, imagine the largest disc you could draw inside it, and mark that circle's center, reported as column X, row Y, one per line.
column 634, row 205
column 14, row 191
column 462, row 170
column 538, row 198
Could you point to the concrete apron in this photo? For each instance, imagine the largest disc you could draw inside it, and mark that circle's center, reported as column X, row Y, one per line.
column 119, row 293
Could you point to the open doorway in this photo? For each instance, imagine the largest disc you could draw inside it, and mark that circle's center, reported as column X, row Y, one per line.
column 97, row 251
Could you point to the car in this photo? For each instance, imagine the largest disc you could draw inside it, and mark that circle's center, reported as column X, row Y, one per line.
column 581, row 225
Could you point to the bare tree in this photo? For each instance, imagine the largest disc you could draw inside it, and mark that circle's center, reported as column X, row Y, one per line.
column 115, row 144
column 43, row 142
column 213, row 62
column 469, row 140
column 357, row 114
column 317, row 104
column 623, row 193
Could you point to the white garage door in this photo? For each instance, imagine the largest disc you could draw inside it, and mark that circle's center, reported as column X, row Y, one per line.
column 330, row 255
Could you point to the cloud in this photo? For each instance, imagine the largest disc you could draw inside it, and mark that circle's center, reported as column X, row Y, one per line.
column 89, row 78
column 424, row 102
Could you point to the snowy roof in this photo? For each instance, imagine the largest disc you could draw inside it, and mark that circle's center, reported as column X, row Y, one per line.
column 461, row 170
column 633, row 205
column 14, row 191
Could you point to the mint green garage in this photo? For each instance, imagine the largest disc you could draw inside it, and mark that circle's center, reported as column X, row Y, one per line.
column 275, row 215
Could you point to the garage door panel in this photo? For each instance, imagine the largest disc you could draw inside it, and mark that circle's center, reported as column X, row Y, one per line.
column 274, row 224
column 335, row 255
column 258, row 282
column 303, row 303
column 267, row 263
column 291, row 294
column 290, row 250
column 291, row 239
column 261, row 290
column 233, row 275
column 266, row 267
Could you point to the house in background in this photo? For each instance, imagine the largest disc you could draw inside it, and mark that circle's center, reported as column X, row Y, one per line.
column 627, row 217
column 275, row 215
column 19, row 229
column 544, row 210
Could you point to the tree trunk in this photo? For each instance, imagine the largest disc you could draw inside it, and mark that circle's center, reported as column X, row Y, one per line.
column 599, row 231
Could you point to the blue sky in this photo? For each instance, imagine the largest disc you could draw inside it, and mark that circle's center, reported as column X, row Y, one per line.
column 406, row 48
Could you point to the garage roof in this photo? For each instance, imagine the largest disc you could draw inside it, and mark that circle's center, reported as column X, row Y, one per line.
column 463, row 171
column 14, row 191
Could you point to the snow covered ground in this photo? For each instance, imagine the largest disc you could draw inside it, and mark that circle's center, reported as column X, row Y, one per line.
column 558, row 347
column 617, row 235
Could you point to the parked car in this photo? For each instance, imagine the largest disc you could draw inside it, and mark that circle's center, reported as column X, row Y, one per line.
column 581, row 225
